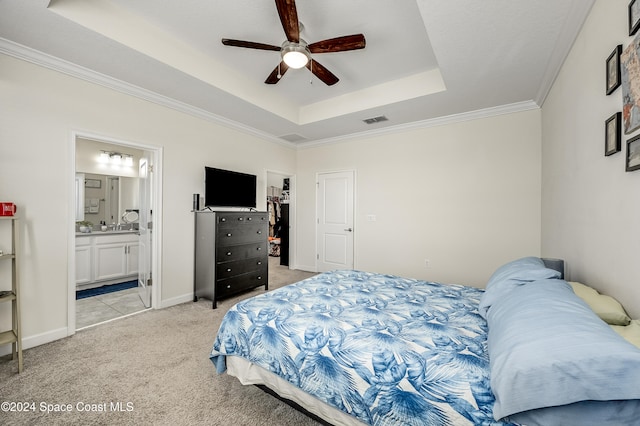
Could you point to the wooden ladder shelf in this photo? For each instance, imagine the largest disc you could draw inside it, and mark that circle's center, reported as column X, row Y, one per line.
column 14, row 335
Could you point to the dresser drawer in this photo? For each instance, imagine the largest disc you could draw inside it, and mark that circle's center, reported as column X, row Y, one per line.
column 244, row 251
column 241, row 282
column 233, row 219
column 238, row 267
column 241, row 234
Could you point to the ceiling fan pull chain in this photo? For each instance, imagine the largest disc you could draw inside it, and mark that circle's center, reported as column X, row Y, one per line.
column 311, row 69
column 279, row 75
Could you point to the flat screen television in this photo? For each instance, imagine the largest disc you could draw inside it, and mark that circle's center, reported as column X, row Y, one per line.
column 226, row 188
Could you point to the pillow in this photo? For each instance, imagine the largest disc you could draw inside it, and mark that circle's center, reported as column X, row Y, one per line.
column 548, row 348
column 513, row 274
column 583, row 413
column 631, row 332
column 606, row 307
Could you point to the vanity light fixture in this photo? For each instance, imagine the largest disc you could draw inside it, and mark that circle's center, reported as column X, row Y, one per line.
column 115, row 159
column 104, row 157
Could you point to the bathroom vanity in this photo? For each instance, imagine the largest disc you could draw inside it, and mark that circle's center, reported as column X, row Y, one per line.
column 106, row 258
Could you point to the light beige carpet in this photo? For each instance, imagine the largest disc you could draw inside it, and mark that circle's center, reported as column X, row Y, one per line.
column 149, row 369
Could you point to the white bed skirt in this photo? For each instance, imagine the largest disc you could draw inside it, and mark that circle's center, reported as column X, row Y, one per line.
column 251, row 374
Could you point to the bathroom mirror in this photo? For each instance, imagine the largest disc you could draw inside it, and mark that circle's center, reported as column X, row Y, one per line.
column 106, row 203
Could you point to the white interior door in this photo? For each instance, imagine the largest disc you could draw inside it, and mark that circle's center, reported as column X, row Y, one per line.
column 335, row 201
column 145, row 231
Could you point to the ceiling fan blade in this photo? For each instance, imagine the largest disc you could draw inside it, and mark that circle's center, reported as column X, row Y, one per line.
column 338, row 44
column 249, row 44
column 322, row 73
column 289, row 18
column 277, row 73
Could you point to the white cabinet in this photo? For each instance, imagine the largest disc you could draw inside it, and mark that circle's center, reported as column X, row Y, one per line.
column 132, row 258
column 84, row 261
column 111, row 261
column 106, row 258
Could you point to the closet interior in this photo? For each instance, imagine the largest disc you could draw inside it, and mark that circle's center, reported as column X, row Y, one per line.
column 278, row 208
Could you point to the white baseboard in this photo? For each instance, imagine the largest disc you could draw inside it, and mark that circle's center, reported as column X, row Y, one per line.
column 176, row 300
column 305, row 268
column 37, row 340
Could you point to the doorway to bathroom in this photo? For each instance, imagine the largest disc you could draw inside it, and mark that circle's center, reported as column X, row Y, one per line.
column 113, row 237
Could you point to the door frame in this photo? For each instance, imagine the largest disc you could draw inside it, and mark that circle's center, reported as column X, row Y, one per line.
column 317, row 218
column 156, row 203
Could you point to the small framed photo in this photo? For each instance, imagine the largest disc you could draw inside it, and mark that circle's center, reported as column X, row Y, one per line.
column 613, row 69
column 613, row 134
column 633, row 154
column 92, row 183
column 634, row 17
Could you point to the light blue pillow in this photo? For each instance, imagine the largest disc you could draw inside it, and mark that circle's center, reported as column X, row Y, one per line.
column 513, row 274
column 548, row 348
column 583, row 413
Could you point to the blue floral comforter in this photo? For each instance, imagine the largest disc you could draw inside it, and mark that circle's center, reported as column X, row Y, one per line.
column 384, row 349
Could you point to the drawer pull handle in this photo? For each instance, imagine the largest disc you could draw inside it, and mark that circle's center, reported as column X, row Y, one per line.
column 229, row 234
column 259, row 277
column 259, row 262
column 228, row 269
column 229, row 286
column 259, row 248
column 259, row 232
column 223, row 219
column 241, row 218
column 228, row 253
column 249, row 218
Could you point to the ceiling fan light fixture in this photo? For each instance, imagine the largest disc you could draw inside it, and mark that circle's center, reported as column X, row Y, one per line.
column 295, row 55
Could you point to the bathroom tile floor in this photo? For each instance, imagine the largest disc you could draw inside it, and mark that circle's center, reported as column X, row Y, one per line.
column 104, row 307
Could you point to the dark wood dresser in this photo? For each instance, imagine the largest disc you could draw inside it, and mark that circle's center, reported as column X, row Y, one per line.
column 231, row 253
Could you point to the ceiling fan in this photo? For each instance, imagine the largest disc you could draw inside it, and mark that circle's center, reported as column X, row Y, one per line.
column 295, row 52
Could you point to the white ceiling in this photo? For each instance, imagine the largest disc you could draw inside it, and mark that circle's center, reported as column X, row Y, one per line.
column 425, row 60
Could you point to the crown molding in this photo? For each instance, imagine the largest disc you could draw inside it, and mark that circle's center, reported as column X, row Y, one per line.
column 432, row 122
column 36, row 57
column 565, row 43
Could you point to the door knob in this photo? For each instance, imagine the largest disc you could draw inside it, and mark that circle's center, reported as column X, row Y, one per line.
column 349, row 229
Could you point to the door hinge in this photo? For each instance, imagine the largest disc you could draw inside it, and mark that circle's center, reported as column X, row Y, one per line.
column 150, row 168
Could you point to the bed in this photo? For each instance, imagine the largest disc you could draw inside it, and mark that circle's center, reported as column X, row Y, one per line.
column 354, row 347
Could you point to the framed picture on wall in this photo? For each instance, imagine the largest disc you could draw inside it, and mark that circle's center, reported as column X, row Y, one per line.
column 613, row 134
column 634, row 17
column 92, row 183
column 613, row 70
column 633, row 154
column 630, row 76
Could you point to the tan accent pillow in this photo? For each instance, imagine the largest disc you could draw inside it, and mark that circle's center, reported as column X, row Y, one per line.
column 606, row 307
column 630, row 332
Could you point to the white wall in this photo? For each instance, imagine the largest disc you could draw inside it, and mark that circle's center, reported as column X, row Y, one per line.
column 590, row 205
column 88, row 152
column 40, row 110
column 466, row 196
